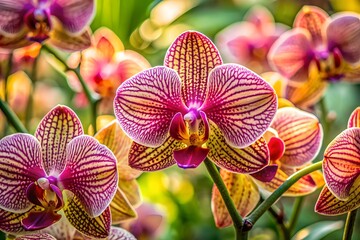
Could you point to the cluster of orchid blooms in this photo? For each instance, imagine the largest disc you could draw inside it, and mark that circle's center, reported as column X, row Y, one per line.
column 64, row 184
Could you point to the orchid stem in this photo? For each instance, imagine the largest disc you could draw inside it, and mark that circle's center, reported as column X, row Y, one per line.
column 7, row 74
column 280, row 223
column 11, row 117
column 92, row 97
column 235, row 216
column 324, row 113
column 295, row 213
column 264, row 206
column 349, row 225
column 30, row 101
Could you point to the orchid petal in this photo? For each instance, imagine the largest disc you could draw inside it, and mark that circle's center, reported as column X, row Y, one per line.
column 261, row 18
column 97, row 227
column 130, row 63
column 313, row 20
column 131, row 189
column 152, row 159
column 74, row 15
column 54, row 132
column 190, row 157
column 240, row 103
column 20, row 165
column 37, row 220
column 341, row 164
column 266, row 174
column 343, row 32
column 276, row 147
column 291, row 54
column 107, row 42
column 11, row 43
column 246, row 160
column 36, row 236
column 120, row 234
column 193, row 56
column 11, row 222
column 61, row 229
column 354, row 120
column 243, row 192
column 116, row 140
column 329, row 204
column 302, row 134
column 90, row 173
column 121, row 208
column 11, row 16
column 146, row 103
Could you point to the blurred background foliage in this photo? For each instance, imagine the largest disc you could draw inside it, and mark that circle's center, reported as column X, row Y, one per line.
column 183, row 197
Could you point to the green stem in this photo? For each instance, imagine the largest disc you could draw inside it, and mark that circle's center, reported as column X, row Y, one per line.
column 295, row 213
column 349, row 225
column 30, row 101
column 7, row 74
column 324, row 113
column 235, row 216
column 264, row 206
column 11, row 117
column 92, row 97
column 280, row 223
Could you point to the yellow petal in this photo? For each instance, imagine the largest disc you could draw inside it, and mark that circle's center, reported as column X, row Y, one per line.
column 131, row 189
column 121, row 208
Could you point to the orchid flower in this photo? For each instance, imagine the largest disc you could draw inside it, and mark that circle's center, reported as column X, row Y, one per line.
column 62, row 22
column 104, row 66
column 196, row 107
column 58, row 172
column 248, row 42
column 36, row 236
column 327, row 45
column 341, row 171
column 294, row 139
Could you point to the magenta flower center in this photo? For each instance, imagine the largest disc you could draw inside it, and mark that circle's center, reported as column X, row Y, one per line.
column 38, row 22
column 329, row 64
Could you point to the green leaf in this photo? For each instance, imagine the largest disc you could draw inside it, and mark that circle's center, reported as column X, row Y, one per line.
column 318, row 230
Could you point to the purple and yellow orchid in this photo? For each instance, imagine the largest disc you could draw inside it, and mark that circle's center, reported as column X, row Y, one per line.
column 196, row 107
column 341, row 169
column 58, row 172
column 318, row 43
column 62, row 22
column 294, row 139
column 248, row 42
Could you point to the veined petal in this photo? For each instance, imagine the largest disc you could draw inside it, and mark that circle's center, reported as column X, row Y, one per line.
column 20, row 165
column 152, row 159
column 61, row 229
column 11, row 222
column 246, row 160
column 190, row 157
column 11, row 16
column 120, row 234
column 329, row 204
column 36, row 236
column 240, row 103
column 146, row 103
column 302, row 134
column 74, row 15
column 11, row 43
column 121, row 208
column 354, row 120
column 96, row 227
column 276, row 81
column 37, row 220
column 343, row 32
column 90, row 173
column 243, row 192
column 54, row 132
column 266, row 174
column 131, row 189
column 119, row 143
column 193, row 56
column 291, row 54
column 341, row 164
column 312, row 19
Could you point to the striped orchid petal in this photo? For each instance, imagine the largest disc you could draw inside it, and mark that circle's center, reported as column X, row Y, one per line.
column 312, row 19
column 343, row 33
column 97, row 227
column 302, row 134
column 10, row 43
column 329, row 204
column 243, row 192
column 240, row 103
column 116, row 140
column 11, row 222
column 131, row 189
column 36, row 236
column 11, row 16
column 246, row 160
column 121, row 208
column 146, row 103
column 61, row 230
column 354, row 120
column 304, row 186
column 54, row 132
column 20, row 165
column 120, row 234
column 90, row 173
column 193, row 56
column 291, row 54
column 341, row 165
column 152, row 159
column 73, row 14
